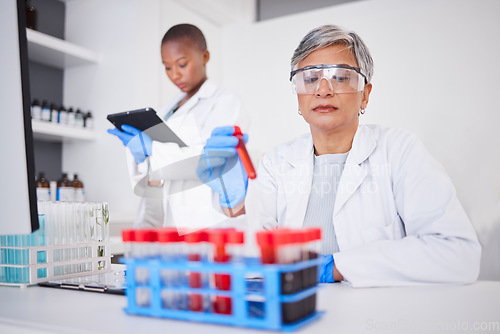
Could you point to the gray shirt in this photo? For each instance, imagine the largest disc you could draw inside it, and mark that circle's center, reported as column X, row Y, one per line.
column 326, row 176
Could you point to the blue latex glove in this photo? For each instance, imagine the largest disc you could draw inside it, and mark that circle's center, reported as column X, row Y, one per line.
column 325, row 274
column 221, row 169
column 139, row 143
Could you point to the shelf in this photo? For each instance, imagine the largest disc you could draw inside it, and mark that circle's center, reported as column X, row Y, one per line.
column 55, row 52
column 46, row 131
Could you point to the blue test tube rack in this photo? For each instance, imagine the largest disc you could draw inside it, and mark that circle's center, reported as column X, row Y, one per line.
column 270, row 298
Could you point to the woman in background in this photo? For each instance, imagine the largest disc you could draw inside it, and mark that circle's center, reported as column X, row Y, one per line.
column 199, row 107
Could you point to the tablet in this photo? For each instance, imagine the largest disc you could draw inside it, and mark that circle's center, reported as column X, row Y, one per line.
column 147, row 121
column 112, row 282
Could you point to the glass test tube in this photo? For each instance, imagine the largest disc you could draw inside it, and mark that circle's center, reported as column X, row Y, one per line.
column 218, row 239
column 169, row 245
column 128, row 238
column 227, row 246
column 194, row 249
column 310, row 251
column 145, row 249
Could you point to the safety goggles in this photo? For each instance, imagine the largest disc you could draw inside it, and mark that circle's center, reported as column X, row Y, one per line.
column 340, row 78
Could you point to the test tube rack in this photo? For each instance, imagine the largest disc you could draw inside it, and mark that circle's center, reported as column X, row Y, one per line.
column 272, row 301
column 29, row 265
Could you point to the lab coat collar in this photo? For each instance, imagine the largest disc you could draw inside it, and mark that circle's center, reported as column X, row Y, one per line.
column 353, row 175
column 363, row 145
column 302, row 150
column 206, row 90
column 300, row 155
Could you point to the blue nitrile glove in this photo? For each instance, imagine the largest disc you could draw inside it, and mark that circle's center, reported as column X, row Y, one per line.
column 139, row 143
column 221, row 169
column 325, row 270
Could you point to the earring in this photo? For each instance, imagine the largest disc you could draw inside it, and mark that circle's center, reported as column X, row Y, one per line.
column 362, row 111
column 299, row 112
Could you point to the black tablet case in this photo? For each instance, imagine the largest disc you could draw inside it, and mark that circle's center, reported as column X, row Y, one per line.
column 147, row 121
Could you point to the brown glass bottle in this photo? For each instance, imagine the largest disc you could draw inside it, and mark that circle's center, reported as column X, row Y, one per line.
column 65, row 190
column 79, row 190
column 42, row 188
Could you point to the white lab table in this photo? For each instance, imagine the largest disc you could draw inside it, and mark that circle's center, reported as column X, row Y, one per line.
column 471, row 308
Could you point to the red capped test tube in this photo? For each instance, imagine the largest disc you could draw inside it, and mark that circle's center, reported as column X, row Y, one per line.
column 314, row 242
column 265, row 240
column 146, row 243
column 235, row 245
column 169, row 249
column 227, row 245
column 195, row 250
column 282, row 246
column 169, row 246
column 310, row 251
column 218, row 238
column 146, row 248
column 243, row 154
column 169, row 243
column 128, row 238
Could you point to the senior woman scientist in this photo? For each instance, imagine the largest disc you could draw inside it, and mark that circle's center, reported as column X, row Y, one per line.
column 389, row 212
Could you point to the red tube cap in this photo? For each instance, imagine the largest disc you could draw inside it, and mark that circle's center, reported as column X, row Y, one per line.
column 168, row 234
column 283, row 236
column 218, row 236
column 146, row 235
column 128, row 235
column 265, row 238
column 193, row 237
column 236, row 237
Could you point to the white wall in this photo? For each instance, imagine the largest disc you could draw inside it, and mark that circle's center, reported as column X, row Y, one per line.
column 436, row 74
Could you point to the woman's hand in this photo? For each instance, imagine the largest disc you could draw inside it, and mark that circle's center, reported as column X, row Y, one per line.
column 221, row 169
column 139, row 143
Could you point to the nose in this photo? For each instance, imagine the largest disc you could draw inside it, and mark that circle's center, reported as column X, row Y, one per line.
column 324, row 88
column 175, row 73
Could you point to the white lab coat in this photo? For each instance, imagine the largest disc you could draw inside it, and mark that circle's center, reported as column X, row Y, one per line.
column 185, row 202
column 396, row 215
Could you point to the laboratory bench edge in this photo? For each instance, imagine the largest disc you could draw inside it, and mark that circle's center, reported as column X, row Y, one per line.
column 418, row 309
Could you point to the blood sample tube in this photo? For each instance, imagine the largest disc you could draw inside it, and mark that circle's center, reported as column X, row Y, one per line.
column 288, row 251
column 315, row 242
column 243, row 154
column 266, row 245
column 193, row 244
column 204, row 253
column 181, row 300
column 285, row 248
column 218, row 238
column 235, row 245
column 265, row 241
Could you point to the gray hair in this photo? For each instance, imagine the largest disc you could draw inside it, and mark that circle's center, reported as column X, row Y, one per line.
column 329, row 35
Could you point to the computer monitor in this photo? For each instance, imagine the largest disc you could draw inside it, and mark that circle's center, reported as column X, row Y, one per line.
column 18, row 204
